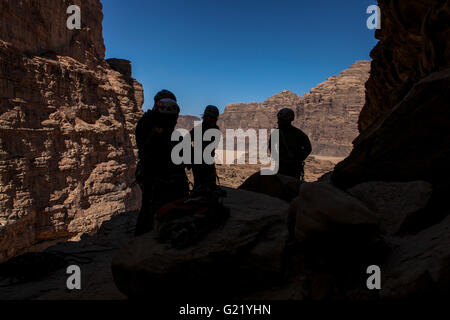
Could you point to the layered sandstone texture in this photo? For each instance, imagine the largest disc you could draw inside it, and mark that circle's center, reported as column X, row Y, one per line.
column 187, row 122
column 328, row 114
column 67, row 119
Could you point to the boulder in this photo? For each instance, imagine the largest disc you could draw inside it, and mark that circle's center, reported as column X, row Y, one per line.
column 277, row 186
column 244, row 253
column 395, row 203
column 321, row 207
column 419, row 267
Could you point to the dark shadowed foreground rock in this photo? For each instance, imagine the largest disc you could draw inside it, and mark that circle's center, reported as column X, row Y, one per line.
column 395, row 203
column 278, row 186
column 419, row 266
column 243, row 255
column 320, row 207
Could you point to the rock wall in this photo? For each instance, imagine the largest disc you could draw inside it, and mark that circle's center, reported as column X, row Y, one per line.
column 405, row 119
column 328, row 114
column 37, row 27
column 186, row 122
column 257, row 115
column 414, row 42
column 67, row 119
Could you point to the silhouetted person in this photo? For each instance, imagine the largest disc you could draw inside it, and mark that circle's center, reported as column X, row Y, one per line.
column 294, row 146
column 161, row 181
column 205, row 174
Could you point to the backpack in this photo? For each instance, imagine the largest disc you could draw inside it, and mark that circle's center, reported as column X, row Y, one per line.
column 186, row 221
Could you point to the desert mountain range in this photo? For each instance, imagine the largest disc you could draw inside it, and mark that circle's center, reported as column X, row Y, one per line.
column 328, row 113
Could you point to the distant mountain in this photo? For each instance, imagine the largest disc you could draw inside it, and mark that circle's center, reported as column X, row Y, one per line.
column 328, row 114
column 187, row 122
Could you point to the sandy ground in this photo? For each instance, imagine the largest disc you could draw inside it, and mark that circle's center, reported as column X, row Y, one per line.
column 234, row 175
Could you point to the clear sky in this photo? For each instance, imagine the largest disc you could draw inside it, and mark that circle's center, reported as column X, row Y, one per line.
column 227, row 51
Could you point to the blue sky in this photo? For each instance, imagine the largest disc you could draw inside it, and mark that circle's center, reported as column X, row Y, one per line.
column 226, row 51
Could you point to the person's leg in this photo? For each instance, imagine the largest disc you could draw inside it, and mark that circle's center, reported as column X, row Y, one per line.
column 144, row 221
column 290, row 170
column 197, row 175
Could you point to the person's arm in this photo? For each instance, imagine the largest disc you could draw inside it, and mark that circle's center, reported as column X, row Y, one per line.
column 270, row 144
column 191, row 137
column 305, row 148
column 139, row 132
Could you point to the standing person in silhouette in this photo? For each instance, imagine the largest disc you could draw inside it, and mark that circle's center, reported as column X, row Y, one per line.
column 161, row 181
column 205, row 174
column 293, row 146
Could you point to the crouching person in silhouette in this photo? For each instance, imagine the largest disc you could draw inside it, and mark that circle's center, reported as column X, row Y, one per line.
column 161, row 181
column 293, row 146
column 205, row 174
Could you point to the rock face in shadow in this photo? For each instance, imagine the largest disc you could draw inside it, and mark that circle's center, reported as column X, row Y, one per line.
column 241, row 256
column 328, row 114
column 320, row 207
column 413, row 142
column 67, row 148
column 404, row 123
column 420, row 265
column 404, row 138
column 397, row 204
column 42, row 275
column 341, row 233
column 414, row 42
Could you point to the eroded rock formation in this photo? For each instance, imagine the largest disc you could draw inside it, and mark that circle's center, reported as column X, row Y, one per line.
column 257, row 115
column 405, row 137
column 67, row 119
column 404, row 123
column 187, row 122
column 328, row 114
column 414, row 42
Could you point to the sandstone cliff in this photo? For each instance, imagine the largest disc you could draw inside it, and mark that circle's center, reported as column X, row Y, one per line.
column 67, row 119
column 257, row 115
column 187, row 122
column 328, row 114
